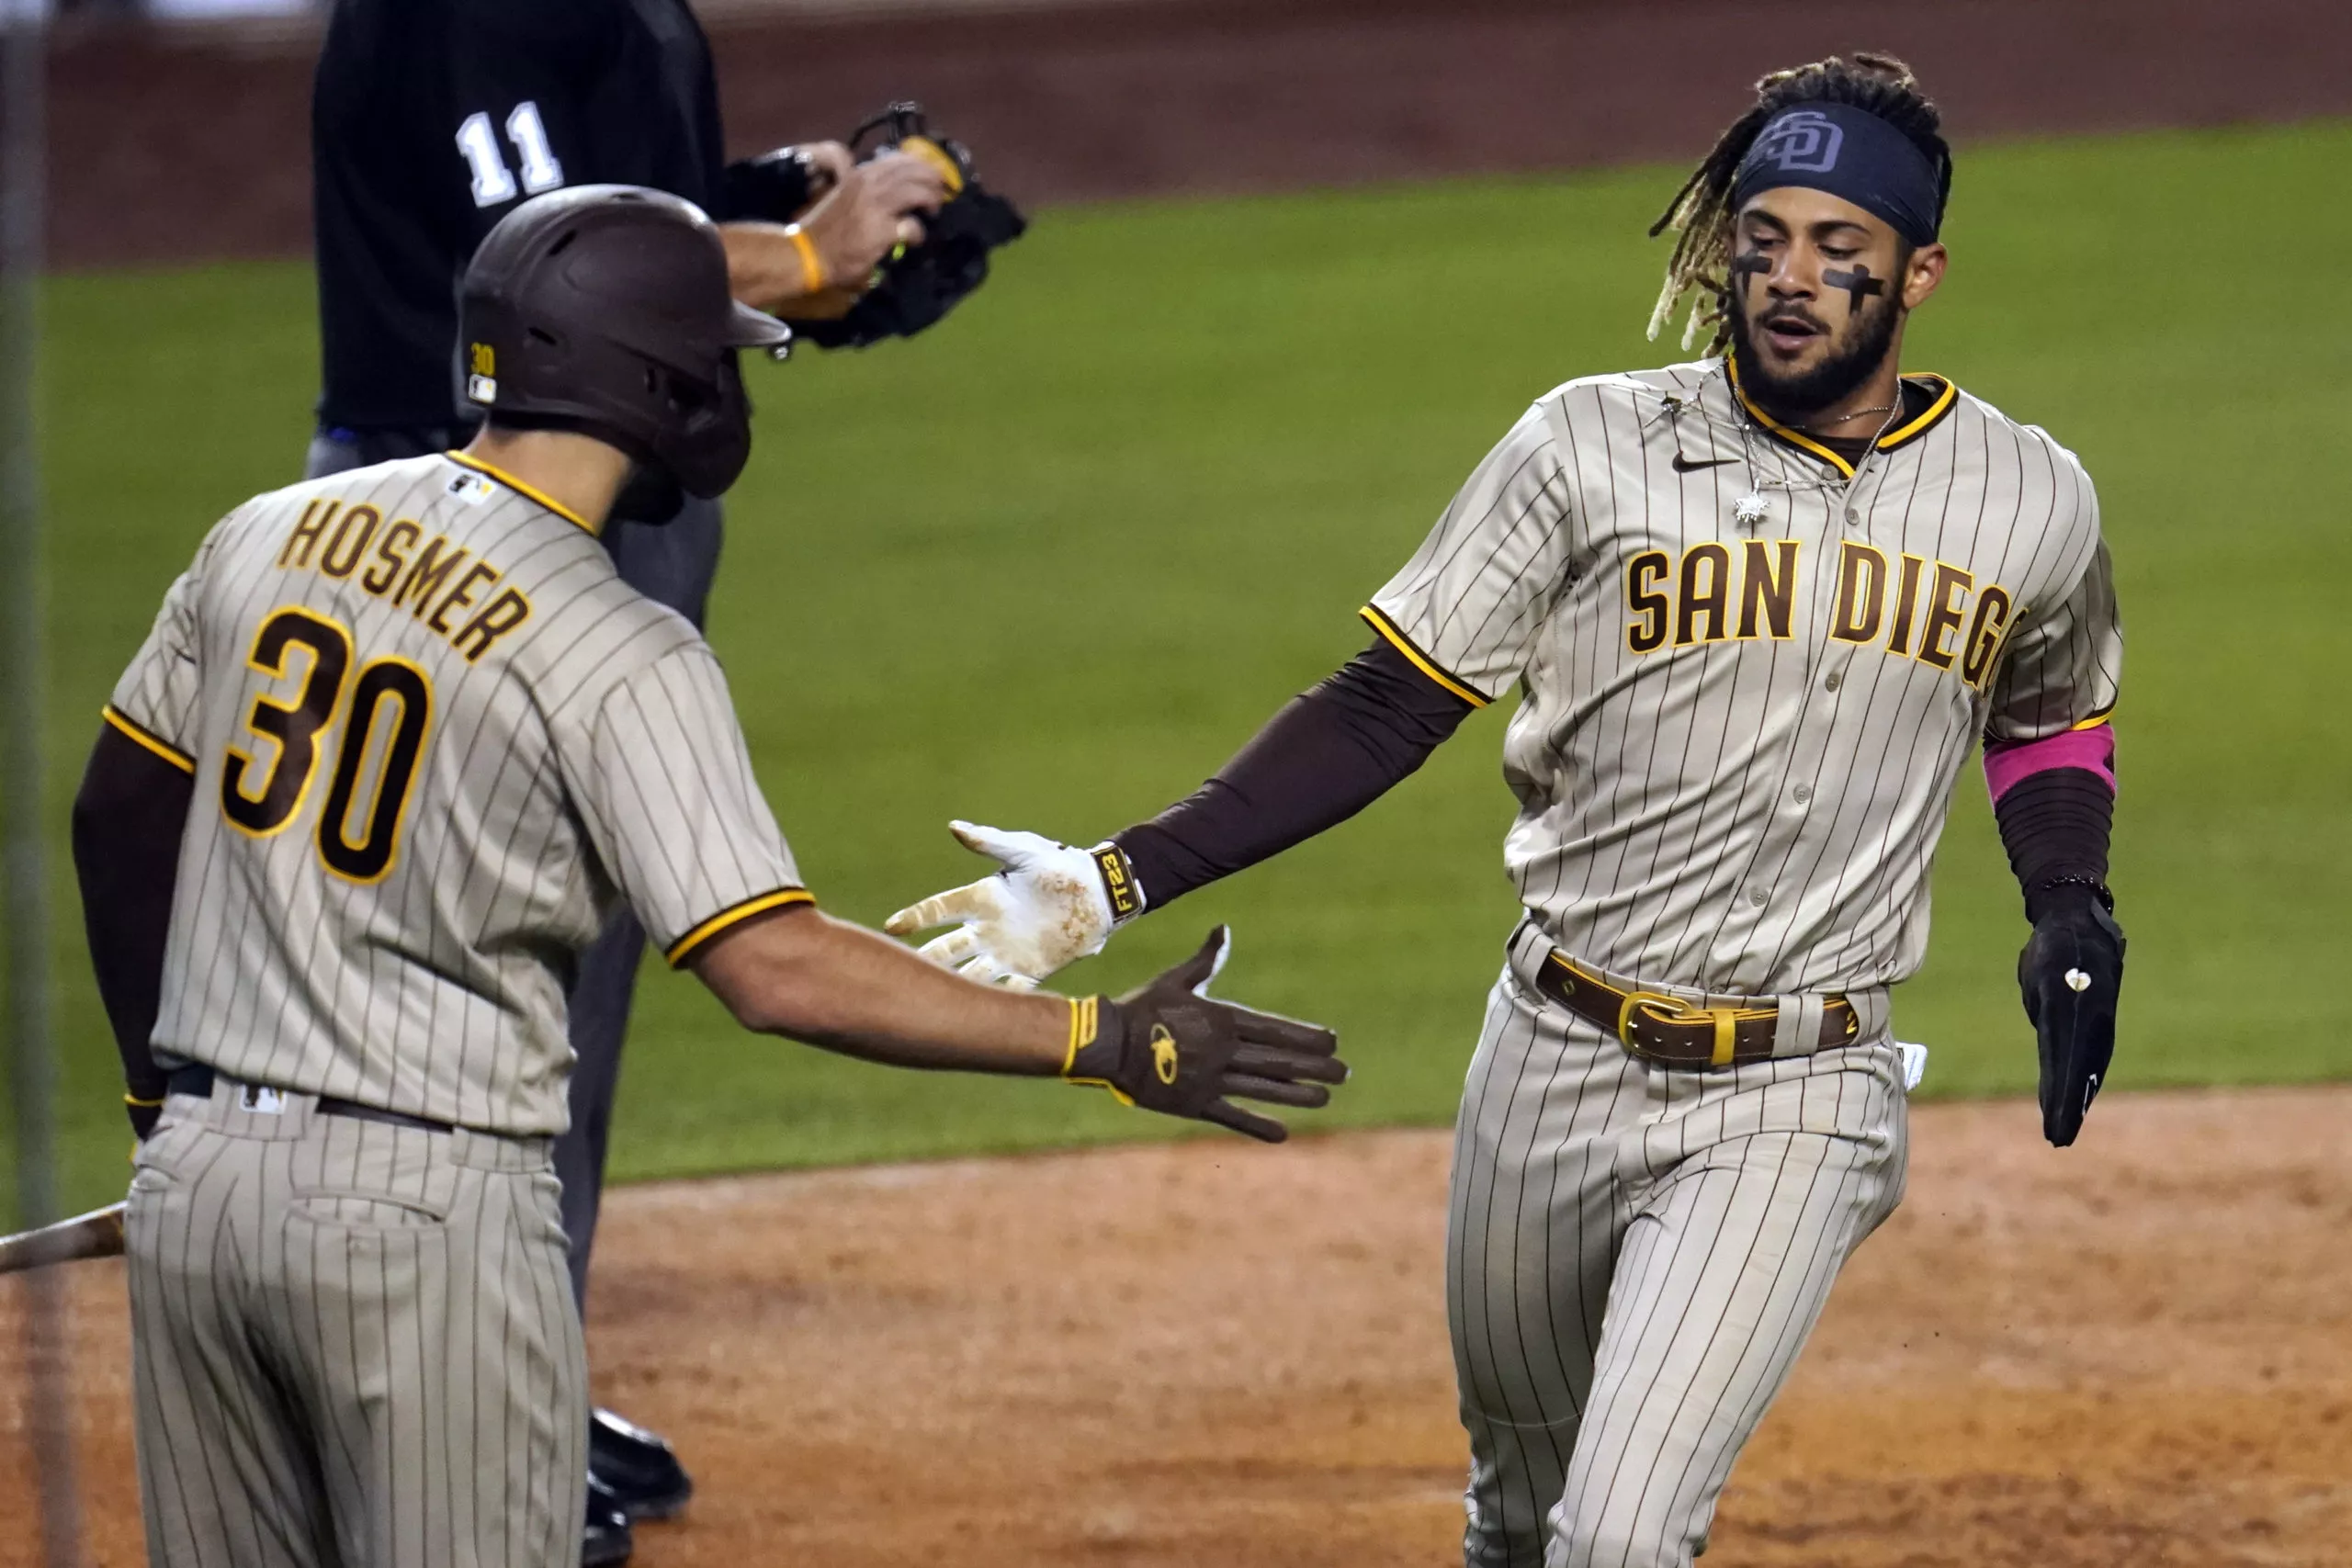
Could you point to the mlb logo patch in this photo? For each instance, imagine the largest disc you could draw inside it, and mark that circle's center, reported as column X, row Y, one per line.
column 471, row 489
column 261, row 1100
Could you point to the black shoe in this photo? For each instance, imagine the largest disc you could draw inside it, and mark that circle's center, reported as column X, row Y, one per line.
column 635, row 1467
column 604, row 1541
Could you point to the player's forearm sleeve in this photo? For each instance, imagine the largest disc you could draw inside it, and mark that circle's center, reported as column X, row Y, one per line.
column 1326, row 755
column 128, row 820
column 2055, row 803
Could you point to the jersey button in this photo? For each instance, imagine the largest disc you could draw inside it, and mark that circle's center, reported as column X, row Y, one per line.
column 1854, row 515
column 1832, row 680
column 1802, row 793
column 1757, row 896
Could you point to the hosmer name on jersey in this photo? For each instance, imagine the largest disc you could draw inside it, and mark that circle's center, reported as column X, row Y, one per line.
column 1929, row 610
column 395, row 562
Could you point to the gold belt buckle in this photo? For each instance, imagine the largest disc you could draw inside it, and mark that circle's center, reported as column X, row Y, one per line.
column 1674, row 1009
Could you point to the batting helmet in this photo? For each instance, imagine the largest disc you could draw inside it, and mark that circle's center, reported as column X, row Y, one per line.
column 606, row 309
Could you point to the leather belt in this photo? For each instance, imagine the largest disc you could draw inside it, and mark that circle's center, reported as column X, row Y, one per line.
column 197, row 1079
column 1675, row 1033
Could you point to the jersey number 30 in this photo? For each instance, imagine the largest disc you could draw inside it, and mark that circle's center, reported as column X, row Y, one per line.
column 357, row 841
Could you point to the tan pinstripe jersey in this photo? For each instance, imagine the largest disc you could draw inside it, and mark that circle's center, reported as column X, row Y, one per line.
column 433, row 738
column 1750, row 673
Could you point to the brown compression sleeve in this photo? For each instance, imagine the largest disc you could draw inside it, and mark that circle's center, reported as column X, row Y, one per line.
column 2055, row 825
column 127, row 824
column 1329, row 752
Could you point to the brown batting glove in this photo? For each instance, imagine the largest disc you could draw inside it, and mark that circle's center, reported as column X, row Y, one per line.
column 1171, row 1048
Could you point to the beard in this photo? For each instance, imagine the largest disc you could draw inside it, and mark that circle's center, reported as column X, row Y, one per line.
column 1798, row 397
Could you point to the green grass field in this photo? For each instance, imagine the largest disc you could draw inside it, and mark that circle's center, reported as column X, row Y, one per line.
column 1048, row 566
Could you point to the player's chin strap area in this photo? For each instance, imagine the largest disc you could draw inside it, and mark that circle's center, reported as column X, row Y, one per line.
column 1674, row 1031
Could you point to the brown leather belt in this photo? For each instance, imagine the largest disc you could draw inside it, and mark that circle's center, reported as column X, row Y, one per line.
column 1675, row 1033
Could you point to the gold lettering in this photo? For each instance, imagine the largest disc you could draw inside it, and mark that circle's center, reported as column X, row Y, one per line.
column 1906, row 603
column 358, row 526
column 1985, row 632
column 1774, row 592
column 1712, row 599
column 425, row 578
column 1647, row 634
column 1862, row 594
column 498, row 617
column 392, row 556
column 1943, row 614
column 306, row 533
column 461, row 595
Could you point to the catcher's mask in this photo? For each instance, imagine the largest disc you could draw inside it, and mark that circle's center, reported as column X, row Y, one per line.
column 606, row 309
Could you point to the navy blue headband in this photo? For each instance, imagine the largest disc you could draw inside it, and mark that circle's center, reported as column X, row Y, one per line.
column 1851, row 153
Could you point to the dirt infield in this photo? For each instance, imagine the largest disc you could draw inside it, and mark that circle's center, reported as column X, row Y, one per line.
column 176, row 142
column 2136, row 1352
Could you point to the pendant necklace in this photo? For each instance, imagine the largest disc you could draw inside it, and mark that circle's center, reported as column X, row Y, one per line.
column 1750, row 510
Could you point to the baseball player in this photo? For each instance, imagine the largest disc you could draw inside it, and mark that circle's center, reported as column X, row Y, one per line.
column 398, row 744
column 1757, row 608
column 429, row 124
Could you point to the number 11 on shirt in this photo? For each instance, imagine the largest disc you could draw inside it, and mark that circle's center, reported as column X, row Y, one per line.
column 493, row 183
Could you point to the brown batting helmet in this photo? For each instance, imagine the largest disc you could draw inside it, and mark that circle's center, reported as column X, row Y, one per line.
column 606, row 309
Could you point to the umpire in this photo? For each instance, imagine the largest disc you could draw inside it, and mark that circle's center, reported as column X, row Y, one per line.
column 431, row 121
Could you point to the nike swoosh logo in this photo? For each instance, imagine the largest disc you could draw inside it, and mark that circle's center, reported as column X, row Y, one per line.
column 1683, row 465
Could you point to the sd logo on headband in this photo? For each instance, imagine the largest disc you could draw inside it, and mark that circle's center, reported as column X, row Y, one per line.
column 1800, row 142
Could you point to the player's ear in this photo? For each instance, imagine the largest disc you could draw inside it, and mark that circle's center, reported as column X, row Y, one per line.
column 1922, row 273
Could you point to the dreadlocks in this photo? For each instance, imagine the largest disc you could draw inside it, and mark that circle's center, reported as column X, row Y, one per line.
column 1701, row 212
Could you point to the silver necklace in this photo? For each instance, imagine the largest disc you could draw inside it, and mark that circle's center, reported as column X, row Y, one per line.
column 1883, row 408
column 1750, row 510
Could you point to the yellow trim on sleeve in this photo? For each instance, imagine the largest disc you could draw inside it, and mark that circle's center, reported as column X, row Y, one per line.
column 681, row 948
column 1420, row 661
column 2095, row 720
column 170, row 753
column 465, row 460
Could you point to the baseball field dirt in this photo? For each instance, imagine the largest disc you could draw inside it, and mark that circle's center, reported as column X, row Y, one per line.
column 2138, row 1352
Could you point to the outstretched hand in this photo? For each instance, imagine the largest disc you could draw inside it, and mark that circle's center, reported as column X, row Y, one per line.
column 1171, row 1048
column 1047, row 908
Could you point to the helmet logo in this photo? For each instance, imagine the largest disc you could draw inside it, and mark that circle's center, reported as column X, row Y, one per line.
column 481, row 382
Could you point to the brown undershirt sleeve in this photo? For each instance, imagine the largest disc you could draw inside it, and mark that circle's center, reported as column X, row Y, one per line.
column 1329, row 753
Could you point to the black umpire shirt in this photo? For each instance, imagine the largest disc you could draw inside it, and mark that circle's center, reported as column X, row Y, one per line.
column 431, row 118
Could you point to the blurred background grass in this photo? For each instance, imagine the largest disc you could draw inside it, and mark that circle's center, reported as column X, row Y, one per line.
column 1049, row 564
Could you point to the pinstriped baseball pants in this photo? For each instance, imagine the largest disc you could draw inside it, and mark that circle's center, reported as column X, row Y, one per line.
column 1634, row 1258
column 352, row 1344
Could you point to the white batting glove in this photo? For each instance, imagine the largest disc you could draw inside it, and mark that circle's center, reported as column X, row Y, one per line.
column 1050, row 906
